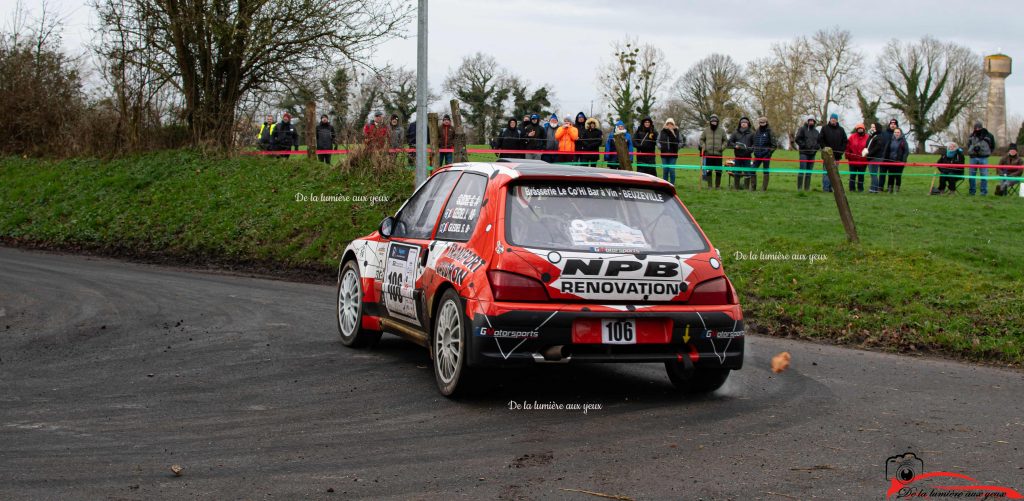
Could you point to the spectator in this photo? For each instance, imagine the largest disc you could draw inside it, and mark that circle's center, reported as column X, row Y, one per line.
column 410, row 138
column 266, row 130
column 854, row 154
column 669, row 141
column 526, row 120
column 875, row 153
column 886, row 138
column 510, row 138
column 533, row 136
column 550, row 141
column 566, row 135
column 445, row 140
column 896, row 153
column 284, row 137
column 947, row 180
column 396, row 135
column 833, row 136
column 1011, row 158
column 646, row 141
column 764, row 147
column 807, row 140
column 580, row 124
column 375, row 133
column 741, row 141
column 325, row 139
column 980, row 146
column 712, row 144
column 611, row 154
column 590, row 141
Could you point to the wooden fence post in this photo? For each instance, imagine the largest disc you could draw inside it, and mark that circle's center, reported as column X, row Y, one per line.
column 435, row 158
column 459, row 134
column 310, row 124
column 829, row 159
column 622, row 151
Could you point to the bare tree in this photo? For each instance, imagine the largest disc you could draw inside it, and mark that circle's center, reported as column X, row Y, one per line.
column 633, row 80
column 711, row 86
column 216, row 51
column 482, row 87
column 835, row 64
column 931, row 83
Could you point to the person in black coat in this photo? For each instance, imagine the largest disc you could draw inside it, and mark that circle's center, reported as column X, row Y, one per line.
column 534, row 137
column 875, row 154
column 947, row 175
column 669, row 142
column 645, row 140
column 896, row 153
column 325, row 139
column 510, row 138
column 764, row 146
column 590, row 140
column 832, row 136
column 284, row 137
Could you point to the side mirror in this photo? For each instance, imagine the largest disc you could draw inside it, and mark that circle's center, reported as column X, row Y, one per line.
column 386, row 227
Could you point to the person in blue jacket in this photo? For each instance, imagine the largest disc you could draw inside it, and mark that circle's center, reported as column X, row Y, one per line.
column 611, row 157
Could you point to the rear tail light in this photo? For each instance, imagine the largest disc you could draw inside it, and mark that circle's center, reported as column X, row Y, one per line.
column 712, row 292
column 507, row 286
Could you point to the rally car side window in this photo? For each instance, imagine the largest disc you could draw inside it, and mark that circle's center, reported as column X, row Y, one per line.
column 463, row 209
column 417, row 217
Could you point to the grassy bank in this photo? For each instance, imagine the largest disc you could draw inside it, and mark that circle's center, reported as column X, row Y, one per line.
column 939, row 273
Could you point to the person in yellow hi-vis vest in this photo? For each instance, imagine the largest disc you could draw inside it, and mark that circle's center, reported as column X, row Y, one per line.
column 266, row 130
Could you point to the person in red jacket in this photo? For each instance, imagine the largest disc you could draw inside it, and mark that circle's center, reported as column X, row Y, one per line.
column 375, row 133
column 855, row 146
column 444, row 140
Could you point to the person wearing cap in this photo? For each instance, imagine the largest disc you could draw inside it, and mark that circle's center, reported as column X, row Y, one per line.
column 611, row 154
column 947, row 175
column 284, row 137
column 590, row 141
column 567, row 135
column 741, row 141
column 266, row 130
column 807, row 141
column 855, row 146
column 533, row 136
column 712, row 145
column 326, row 139
column 1011, row 175
column 510, row 138
column 446, row 140
column 375, row 133
column 645, row 139
column 764, row 146
column 550, row 141
column 396, row 133
column 980, row 146
column 669, row 142
column 833, row 136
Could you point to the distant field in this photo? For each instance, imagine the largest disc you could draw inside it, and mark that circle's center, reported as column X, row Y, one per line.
column 941, row 273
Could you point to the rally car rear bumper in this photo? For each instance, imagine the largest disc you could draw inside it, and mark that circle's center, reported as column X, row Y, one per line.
column 516, row 333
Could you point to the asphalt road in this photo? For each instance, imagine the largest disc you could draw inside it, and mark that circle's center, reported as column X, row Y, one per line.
column 111, row 372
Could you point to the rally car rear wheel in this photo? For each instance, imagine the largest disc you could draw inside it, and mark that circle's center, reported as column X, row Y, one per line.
column 695, row 381
column 448, row 345
column 350, row 309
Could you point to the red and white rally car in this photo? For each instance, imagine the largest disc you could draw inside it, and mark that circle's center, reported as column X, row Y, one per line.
column 503, row 264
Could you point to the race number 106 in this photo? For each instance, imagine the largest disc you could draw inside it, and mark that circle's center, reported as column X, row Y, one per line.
column 618, row 331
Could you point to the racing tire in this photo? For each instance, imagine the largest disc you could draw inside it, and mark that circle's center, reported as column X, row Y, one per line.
column 448, row 347
column 350, row 309
column 696, row 381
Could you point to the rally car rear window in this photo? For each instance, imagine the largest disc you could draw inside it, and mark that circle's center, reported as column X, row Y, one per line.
column 599, row 217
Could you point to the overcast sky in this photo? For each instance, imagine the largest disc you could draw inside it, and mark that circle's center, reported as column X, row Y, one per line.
column 562, row 42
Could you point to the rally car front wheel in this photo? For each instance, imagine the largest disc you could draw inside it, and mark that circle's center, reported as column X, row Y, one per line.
column 350, row 309
column 448, row 346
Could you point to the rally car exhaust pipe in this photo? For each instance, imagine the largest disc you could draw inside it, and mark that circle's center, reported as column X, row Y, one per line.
column 552, row 355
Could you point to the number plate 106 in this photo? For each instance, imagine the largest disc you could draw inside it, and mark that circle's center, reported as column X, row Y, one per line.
column 618, row 331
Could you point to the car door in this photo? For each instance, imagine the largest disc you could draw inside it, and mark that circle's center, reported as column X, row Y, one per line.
column 405, row 256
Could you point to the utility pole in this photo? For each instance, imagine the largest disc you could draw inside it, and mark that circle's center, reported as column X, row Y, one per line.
column 421, row 93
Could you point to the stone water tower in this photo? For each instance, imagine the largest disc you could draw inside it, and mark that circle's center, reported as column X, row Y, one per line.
column 997, row 67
